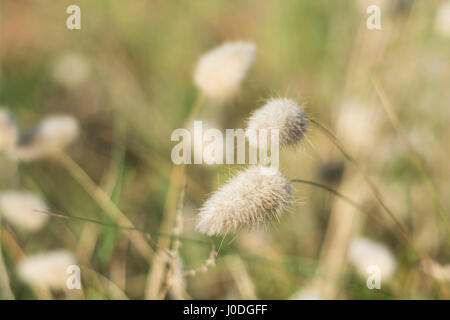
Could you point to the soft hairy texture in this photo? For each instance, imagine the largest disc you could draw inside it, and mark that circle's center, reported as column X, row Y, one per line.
column 220, row 71
column 21, row 210
column 282, row 114
column 364, row 252
column 8, row 130
column 53, row 134
column 47, row 269
column 255, row 195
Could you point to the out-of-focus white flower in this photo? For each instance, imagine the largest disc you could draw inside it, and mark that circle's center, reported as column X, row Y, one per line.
column 53, row 134
column 220, row 71
column 364, row 252
column 21, row 209
column 439, row 272
column 48, row 269
column 8, row 130
column 70, row 69
column 357, row 126
column 442, row 22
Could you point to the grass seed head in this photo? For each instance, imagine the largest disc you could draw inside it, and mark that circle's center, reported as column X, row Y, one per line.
column 282, row 114
column 53, row 134
column 220, row 72
column 364, row 252
column 47, row 269
column 21, row 209
column 255, row 195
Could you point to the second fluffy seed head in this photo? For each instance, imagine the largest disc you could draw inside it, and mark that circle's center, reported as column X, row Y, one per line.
column 282, row 114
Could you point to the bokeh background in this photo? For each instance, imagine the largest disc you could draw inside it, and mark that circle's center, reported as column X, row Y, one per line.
column 127, row 77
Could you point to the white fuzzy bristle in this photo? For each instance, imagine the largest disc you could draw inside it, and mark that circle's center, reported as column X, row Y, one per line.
column 255, row 195
column 220, row 72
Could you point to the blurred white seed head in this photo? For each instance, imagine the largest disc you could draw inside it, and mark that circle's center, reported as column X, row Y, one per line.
column 8, row 130
column 47, row 269
column 357, row 125
column 282, row 114
column 255, row 195
column 70, row 69
column 442, row 21
column 364, row 252
column 440, row 273
column 19, row 209
column 220, row 72
column 53, row 134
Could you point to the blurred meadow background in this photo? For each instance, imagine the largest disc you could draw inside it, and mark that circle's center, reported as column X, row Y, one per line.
column 127, row 77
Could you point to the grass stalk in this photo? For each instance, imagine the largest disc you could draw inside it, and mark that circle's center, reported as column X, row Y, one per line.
column 416, row 160
column 105, row 202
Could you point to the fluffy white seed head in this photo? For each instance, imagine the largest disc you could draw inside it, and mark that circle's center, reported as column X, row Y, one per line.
column 48, row 270
column 255, row 195
column 363, row 253
column 220, row 72
column 19, row 209
column 8, row 130
column 442, row 21
column 440, row 273
column 282, row 114
column 53, row 134
column 70, row 69
column 357, row 125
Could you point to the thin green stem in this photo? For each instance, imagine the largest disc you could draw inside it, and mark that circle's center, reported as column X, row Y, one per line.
column 119, row 227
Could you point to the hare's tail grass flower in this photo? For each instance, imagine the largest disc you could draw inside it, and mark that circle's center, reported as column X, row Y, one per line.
column 53, row 134
column 220, row 71
column 21, row 209
column 253, row 196
column 48, row 269
column 284, row 115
